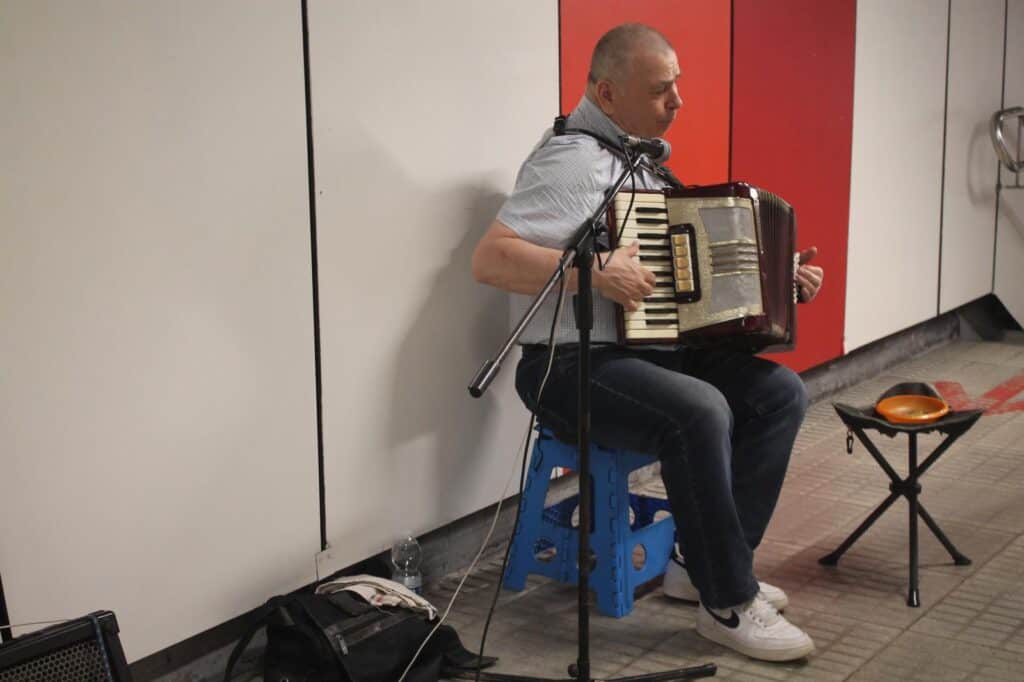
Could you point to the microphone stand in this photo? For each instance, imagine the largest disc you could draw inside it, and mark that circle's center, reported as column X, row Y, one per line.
column 581, row 255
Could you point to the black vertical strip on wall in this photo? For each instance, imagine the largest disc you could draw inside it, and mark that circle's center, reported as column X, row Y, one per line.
column 945, row 129
column 999, row 166
column 5, row 619
column 311, row 172
column 732, row 73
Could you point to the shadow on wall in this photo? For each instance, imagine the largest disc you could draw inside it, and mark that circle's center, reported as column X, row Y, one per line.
column 405, row 327
column 981, row 190
column 1008, row 210
column 459, row 325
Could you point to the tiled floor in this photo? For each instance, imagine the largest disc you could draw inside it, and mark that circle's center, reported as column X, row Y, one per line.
column 970, row 625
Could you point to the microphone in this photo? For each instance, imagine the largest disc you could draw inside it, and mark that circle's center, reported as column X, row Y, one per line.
column 656, row 148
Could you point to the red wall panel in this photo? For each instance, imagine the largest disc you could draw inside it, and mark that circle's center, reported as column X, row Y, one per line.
column 699, row 31
column 788, row 67
column 792, row 129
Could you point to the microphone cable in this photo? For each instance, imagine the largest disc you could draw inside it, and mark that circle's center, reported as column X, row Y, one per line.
column 497, row 512
column 522, row 476
column 617, row 149
column 629, row 209
column 620, row 150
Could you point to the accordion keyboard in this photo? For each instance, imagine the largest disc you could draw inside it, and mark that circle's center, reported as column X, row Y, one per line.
column 647, row 223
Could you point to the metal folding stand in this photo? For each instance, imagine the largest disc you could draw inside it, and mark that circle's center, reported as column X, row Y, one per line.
column 859, row 420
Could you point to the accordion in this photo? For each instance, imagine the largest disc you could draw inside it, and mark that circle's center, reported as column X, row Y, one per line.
column 724, row 264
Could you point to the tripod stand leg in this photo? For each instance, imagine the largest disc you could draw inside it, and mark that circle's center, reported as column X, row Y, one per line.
column 833, row 558
column 913, row 594
column 912, row 491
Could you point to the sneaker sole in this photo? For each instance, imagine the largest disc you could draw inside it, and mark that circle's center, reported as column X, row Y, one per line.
column 771, row 655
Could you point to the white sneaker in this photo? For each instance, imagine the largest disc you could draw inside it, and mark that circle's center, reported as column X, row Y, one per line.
column 755, row 629
column 677, row 585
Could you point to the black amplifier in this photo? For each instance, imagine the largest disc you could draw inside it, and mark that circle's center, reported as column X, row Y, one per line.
column 87, row 649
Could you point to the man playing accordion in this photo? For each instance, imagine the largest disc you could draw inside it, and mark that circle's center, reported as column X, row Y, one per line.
column 722, row 422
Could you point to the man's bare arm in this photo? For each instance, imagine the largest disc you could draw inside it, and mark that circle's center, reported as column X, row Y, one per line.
column 505, row 260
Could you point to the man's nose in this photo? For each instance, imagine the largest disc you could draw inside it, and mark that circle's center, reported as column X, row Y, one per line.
column 676, row 101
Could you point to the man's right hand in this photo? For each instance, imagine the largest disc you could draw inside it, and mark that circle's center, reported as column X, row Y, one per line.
column 623, row 279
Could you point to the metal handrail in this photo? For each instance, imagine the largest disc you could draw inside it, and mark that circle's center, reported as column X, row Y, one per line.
column 1014, row 163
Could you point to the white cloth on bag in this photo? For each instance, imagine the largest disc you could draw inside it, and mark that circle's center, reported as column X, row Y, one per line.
column 380, row 592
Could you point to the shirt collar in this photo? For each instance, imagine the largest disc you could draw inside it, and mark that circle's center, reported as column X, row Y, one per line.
column 589, row 116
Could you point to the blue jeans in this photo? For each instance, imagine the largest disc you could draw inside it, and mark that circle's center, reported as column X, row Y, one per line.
column 722, row 424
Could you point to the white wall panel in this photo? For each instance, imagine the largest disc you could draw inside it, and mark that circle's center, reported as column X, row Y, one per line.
column 156, row 370
column 423, row 112
column 975, row 88
column 896, row 173
column 1009, row 280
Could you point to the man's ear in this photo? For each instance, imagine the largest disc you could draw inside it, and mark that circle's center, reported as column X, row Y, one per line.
column 605, row 96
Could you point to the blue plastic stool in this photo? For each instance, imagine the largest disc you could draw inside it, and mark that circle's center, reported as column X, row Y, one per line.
column 545, row 542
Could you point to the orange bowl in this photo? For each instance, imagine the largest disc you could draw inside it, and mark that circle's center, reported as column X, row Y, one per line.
column 912, row 409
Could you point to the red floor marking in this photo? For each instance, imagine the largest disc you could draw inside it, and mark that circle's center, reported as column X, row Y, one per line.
column 995, row 401
column 1007, row 407
column 954, row 394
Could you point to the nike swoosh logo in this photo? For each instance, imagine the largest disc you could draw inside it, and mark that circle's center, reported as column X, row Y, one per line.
column 732, row 622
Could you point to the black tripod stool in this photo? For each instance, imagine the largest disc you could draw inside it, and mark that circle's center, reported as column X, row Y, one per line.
column 861, row 419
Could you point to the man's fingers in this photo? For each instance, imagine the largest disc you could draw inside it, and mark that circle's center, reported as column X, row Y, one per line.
column 638, row 290
column 808, row 254
column 809, row 279
column 811, row 274
column 807, row 282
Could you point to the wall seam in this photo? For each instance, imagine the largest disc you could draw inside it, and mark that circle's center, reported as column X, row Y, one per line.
column 559, row 65
column 732, row 81
column 999, row 167
column 314, row 263
column 945, row 130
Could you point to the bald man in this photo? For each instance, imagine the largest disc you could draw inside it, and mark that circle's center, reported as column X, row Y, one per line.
column 722, row 423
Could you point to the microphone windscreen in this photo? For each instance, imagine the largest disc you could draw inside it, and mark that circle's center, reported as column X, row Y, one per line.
column 666, row 151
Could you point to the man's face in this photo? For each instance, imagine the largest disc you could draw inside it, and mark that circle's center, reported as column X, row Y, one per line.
column 644, row 102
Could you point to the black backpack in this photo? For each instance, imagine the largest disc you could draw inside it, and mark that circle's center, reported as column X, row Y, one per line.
column 340, row 638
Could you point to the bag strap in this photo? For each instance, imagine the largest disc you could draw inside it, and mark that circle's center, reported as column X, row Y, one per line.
column 259, row 621
column 456, row 656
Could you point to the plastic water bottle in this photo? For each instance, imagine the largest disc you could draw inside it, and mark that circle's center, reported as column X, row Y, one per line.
column 406, row 556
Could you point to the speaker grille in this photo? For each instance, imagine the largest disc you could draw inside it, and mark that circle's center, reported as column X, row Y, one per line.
column 81, row 662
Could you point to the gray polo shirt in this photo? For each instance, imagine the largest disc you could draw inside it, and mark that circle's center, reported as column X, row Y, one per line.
column 558, row 187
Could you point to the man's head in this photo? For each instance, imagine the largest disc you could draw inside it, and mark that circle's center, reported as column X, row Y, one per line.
column 633, row 75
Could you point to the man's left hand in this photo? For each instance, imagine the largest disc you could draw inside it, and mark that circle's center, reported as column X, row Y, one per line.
column 809, row 277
